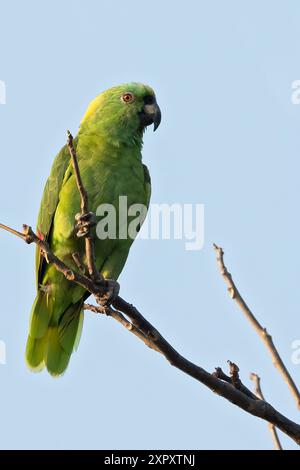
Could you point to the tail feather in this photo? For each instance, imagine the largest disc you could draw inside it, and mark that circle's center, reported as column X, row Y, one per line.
column 70, row 326
column 57, row 359
column 40, row 314
column 49, row 344
column 35, row 353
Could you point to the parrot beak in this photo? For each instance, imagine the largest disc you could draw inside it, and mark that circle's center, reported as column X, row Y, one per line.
column 151, row 114
column 156, row 117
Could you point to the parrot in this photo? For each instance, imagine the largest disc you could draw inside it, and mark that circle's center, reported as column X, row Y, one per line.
column 109, row 151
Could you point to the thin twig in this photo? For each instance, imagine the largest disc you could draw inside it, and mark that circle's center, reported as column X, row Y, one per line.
column 221, row 375
column 259, row 394
column 89, row 245
column 234, row 374
column 260, row 330
column 14, row 232
column 78, row 261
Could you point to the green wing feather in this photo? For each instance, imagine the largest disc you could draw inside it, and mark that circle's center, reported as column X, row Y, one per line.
column 45, row 344
column 147, row 180
column 59, row 174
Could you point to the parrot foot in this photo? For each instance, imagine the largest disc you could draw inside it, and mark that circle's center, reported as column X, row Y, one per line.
column 109, row 291
column 84, row 223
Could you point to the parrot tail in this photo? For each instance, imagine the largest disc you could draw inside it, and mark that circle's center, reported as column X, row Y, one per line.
column 51, row 344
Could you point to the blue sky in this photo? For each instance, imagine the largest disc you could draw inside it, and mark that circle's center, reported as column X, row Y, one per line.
column 229, row 139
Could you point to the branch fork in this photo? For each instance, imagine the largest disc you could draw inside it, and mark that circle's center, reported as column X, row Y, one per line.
column 260, row 330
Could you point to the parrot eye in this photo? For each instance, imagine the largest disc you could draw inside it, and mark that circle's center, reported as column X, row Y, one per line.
column 127, row 97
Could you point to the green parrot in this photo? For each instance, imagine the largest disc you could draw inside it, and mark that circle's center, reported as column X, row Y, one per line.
column 108, row 147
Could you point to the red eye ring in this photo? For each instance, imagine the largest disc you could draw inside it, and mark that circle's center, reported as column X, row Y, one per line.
column 127, row 97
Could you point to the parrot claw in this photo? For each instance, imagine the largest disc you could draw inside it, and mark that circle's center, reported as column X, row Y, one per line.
column 46, row 257
column 84, row 223
column 111, row 289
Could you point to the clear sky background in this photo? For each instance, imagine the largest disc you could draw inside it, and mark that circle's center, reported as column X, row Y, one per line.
column 230, row 139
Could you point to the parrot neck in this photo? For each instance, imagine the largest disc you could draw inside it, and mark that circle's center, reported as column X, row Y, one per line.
column 100, row 143
column 114, row 134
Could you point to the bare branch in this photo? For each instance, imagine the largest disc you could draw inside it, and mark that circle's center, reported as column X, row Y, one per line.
column 89, row 245
column 238, row 397
column 14, row 232
column 260, row 330
column 78, row 261
column 259, row 394
column 144, row 329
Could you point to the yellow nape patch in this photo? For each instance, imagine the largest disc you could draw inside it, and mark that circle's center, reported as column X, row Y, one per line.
column 92, row 108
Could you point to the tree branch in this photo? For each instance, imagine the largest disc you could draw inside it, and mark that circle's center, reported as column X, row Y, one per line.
column 262, row 332
column 259, row 394
column 220, row 384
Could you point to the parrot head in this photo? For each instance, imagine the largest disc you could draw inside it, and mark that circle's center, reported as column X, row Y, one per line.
column 122, row 113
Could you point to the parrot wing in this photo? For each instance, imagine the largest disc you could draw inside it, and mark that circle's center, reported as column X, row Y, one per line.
column 147, row 183
column 60, row 172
